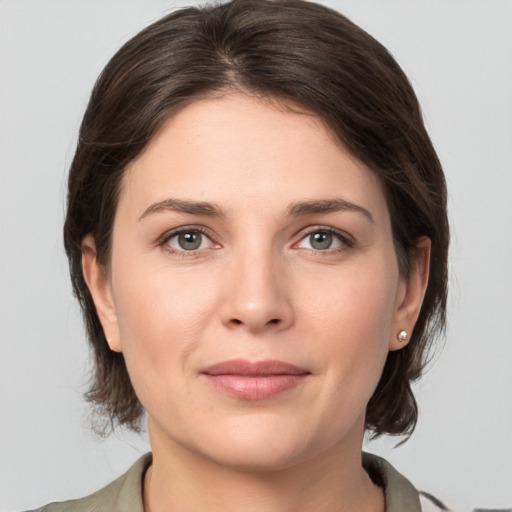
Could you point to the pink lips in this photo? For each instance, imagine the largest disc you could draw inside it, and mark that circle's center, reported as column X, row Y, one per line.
column 254, row 380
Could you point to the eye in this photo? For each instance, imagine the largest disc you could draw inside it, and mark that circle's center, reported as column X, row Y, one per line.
column 323, row 240
column 189, row 240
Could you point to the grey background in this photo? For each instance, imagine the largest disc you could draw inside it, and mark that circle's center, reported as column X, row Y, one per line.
column 458, row 54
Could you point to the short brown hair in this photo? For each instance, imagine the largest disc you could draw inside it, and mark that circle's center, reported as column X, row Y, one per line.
column 294, row 50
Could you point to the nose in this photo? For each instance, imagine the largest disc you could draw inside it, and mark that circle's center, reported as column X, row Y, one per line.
column 257, row 294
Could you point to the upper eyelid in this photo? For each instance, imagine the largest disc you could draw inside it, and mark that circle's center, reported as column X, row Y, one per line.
column 313, row 229
column 184, row 229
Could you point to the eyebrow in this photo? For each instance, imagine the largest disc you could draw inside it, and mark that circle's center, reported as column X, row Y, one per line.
column 183, row 206
column 296, row 209
column 302, row 208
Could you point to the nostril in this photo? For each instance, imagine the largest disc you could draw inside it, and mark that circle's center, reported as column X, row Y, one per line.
column 274, row 321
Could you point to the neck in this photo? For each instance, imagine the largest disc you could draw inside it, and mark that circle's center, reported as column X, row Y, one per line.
column 185, row 481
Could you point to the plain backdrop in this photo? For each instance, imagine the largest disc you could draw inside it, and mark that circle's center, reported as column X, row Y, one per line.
column 458, row 55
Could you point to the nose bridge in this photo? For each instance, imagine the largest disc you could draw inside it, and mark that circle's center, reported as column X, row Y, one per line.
column 257, row 296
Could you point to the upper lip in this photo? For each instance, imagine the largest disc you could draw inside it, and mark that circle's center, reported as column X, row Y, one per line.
column 254, row 368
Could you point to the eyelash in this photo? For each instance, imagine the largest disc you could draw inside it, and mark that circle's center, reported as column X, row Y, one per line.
column 346, row 240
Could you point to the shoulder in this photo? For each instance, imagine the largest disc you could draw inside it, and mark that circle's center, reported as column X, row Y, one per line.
column 401, row 495
column 123, row 494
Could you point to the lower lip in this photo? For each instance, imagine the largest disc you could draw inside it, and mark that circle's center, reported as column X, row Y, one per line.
column 255, row 388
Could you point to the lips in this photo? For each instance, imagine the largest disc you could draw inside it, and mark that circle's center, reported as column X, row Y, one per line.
column 258, row 380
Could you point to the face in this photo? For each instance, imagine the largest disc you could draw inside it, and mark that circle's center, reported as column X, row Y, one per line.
column 254, row 289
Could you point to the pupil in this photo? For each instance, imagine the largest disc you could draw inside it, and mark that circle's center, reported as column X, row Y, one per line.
column 189, row 241
column 321, row 240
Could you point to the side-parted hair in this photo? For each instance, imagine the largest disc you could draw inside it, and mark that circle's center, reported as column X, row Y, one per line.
column 297, row 52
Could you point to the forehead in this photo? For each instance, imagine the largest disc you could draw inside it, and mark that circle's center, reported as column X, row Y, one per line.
column 240, row 149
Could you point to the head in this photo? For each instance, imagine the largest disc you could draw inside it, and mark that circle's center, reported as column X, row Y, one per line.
column 294, row 57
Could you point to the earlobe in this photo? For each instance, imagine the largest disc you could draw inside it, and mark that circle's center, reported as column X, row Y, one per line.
column 99, row 286
column 411, row 294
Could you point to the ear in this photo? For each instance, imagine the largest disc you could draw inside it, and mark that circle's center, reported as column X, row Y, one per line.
column 410, row 294
column 99, row 285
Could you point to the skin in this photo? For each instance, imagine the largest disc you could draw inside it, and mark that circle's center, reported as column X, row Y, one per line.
column 258, row 288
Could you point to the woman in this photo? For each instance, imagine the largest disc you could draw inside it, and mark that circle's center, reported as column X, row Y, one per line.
column 257, row 235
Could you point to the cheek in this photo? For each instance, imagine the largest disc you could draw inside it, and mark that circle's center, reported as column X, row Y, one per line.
column 160, row 314
column 357, row 302
column 162, row 318
column 352, row 320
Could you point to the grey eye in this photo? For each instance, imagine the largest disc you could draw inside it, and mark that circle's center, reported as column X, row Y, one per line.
column 320, row 240
column 188, row 241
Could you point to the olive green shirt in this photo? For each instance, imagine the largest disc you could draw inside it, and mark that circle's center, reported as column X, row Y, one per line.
column 125, row 493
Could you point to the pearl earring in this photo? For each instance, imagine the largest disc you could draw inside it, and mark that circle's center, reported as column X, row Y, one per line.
column 402, row 336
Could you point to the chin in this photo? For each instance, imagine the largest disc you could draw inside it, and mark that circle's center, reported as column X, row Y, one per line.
column 251, row 457
column 256, row 445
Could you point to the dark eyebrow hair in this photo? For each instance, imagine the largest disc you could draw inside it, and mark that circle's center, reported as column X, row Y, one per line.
column 180, row 205
column 326, row 206
column 296, row 209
